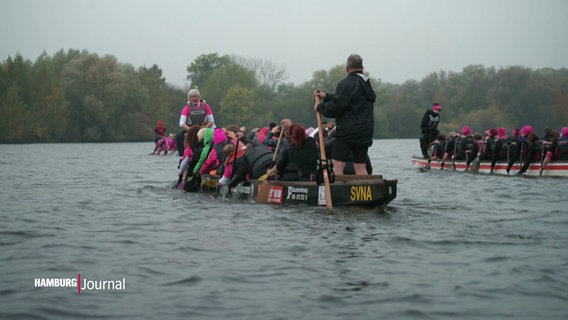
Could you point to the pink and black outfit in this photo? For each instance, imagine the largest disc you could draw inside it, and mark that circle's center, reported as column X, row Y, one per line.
column 190, row 115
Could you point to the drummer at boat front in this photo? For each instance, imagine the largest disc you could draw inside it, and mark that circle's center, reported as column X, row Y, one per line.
column 196, row 111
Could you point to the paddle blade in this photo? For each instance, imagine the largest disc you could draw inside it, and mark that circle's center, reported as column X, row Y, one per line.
column 475, row 165
column 223, row 191
column 263, row 190
column 327, row 188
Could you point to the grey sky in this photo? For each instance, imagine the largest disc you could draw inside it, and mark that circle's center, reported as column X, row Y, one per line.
column 398, row 39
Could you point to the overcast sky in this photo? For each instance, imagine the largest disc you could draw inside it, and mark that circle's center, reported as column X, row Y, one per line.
column 398, row 39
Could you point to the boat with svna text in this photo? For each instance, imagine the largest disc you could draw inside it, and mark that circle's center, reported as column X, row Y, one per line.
column 346, row 190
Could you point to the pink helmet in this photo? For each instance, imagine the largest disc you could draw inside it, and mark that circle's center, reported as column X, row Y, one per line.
column 502, row 133
column 466, row 131
column 436, row 106
column 526, row 130
column 565, row 132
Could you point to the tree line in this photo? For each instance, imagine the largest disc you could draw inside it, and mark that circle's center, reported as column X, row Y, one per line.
column 78, row 96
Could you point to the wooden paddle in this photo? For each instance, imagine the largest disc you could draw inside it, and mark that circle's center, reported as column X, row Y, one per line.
column 264, row 187
column 265, row 176
column 453, row 166
column 278, row 145
column 328, row 202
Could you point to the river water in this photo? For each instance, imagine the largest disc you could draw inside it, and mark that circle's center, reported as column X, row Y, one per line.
column 450, row 246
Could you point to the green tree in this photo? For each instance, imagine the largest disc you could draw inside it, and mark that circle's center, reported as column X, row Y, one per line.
column 49, row 116
column 50, row 121
column 237, row 105
column 328, row 80
column 95, row 113
column 13, row 114
column 16, row 87
column 382, row 127
column 202, row 67
column 78, row 96
column 220, row 82
column 97, row 91
column 16, row 72
column 405, row 111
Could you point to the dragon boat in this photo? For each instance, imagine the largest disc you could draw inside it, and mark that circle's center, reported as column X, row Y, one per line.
column 558, row 168
column 346, row 190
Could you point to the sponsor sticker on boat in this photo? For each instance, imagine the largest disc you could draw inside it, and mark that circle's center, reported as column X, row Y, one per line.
column 321, row 196
column 275, row 194
column 245, row 189
column 297, row 193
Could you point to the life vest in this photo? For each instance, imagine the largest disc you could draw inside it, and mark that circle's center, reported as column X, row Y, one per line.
column 160, row 130
column 240, row 153
column 434, row 120
column 562, row 148
column 465, row 146
column 430, row 122
column 197, row 114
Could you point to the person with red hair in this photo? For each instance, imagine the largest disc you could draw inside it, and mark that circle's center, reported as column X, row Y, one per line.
column 299, row 160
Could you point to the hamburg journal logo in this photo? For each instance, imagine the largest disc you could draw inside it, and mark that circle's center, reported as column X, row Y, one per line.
column 82, row 284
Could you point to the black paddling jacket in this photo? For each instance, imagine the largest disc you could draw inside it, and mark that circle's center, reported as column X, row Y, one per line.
column 429, row 122
column 352, row 107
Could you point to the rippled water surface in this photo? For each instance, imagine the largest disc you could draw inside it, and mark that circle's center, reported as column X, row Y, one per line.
column 451, row 246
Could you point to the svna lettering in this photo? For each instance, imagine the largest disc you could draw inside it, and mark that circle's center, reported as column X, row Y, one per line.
column 361, row 193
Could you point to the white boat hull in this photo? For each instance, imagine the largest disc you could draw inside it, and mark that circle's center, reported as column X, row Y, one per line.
column 554, row 168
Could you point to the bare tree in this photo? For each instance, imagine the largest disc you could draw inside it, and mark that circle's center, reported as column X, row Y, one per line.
column 267, row 73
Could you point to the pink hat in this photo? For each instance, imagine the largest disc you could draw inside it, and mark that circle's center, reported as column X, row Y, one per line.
column 516, row 132
column 565, row 132
column 526, row 130
column 502, row 133
column 436, row 106
column 466, row 131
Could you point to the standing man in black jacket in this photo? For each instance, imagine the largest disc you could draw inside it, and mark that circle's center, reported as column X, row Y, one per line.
column 352, row 107
column 429, row 128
